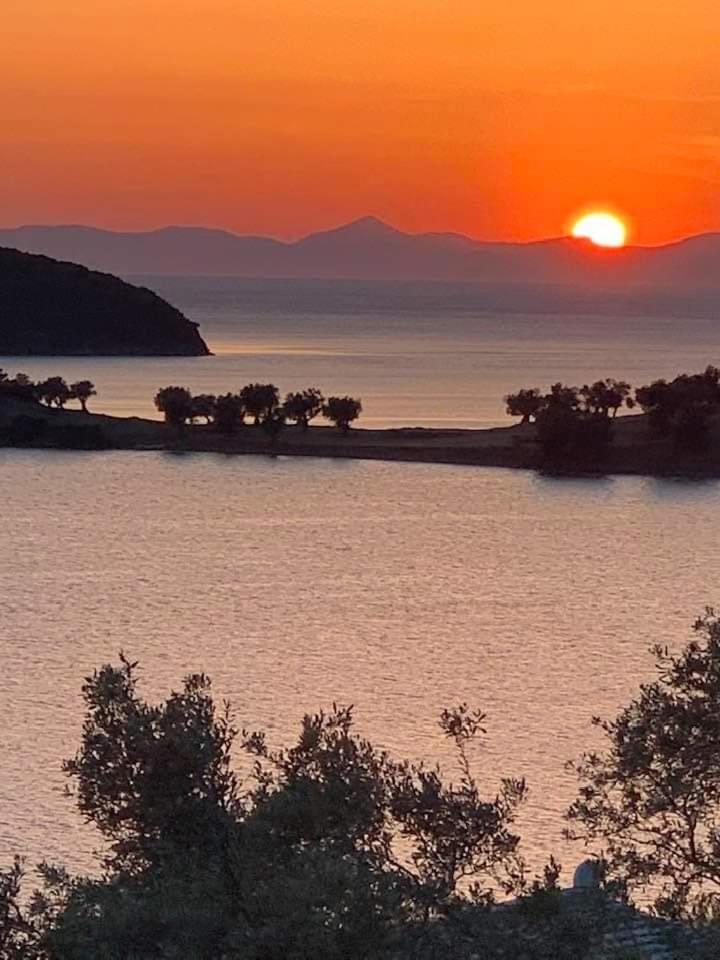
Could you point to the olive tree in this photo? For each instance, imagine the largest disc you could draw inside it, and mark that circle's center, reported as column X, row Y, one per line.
column 606, row 396
column 330, row 848
column 54, row 392
column 651, row 797
column 304, row 406
column 526, row 403
column 228, row 413
column 260, row 400
column 342, row 411
column 175, row 403
column 203, row 405
column 81, row 391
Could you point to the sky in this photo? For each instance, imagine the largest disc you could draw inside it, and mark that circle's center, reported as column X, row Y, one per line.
column 501, row 119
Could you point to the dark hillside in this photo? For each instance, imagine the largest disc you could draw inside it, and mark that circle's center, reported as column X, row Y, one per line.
column 52, row 308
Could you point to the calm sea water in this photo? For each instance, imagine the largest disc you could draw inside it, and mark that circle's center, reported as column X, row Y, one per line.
column 400, row 588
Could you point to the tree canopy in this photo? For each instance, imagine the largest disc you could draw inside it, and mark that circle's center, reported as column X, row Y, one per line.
column 342, row 411
column 652, row 796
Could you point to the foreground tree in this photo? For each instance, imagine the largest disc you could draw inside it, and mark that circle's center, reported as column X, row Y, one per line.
column 81, row 391
column 652, row 797
column 525, row 403
column 332, row 850
column 175, row 403
column 19, row 938
column 54, row 392
column 304, row 406
column 260, row 400
column 342, row 411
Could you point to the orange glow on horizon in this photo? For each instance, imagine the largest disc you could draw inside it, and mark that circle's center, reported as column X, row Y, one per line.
column 285, row 117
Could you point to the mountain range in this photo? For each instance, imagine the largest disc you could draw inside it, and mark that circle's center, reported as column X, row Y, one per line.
column 370, row 249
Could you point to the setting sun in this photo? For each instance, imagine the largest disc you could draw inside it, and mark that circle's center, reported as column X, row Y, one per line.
column 602, row 229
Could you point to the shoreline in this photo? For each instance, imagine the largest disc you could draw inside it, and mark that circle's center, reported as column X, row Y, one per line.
column 633, row 450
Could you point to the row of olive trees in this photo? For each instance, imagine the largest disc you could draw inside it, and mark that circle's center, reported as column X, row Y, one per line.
column 333, row 849
column 577, row 419
column 54, row 391
column 604, row 397
column 259, row 401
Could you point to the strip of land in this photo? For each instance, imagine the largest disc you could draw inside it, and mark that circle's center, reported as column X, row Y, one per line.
column 633, row 450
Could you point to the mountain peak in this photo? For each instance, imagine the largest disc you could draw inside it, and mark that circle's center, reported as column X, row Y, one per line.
column 364, row 228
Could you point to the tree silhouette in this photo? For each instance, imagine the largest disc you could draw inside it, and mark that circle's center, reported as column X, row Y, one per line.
column 524, row 403
column 605, row 396
column 260, row 400
column 342, row 411
column 228, row 413
column 304, row 406
column 175, row 403
column 652, row 797
column 20, row 386
column 203, row 405
column 82, row 390
column 682, row 407
column 54, row 391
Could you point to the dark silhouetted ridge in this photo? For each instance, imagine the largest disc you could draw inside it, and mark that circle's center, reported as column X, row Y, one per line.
column 53, row 308
column 369, row 249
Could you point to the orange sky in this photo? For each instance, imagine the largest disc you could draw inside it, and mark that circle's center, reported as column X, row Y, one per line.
column 497, row 118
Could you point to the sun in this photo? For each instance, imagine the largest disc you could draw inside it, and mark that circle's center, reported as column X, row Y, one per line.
column 602, row 229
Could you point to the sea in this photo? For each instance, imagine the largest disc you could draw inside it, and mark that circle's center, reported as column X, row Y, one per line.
column 401, row 589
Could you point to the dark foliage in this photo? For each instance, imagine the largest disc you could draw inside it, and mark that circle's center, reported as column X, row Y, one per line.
column 606, row 396
column 652, row 797
column 681, row 408
column 331, row 850
column 525, row 404
column 81, row 391
column 342, row 411
column 19, row 387
column 304, row 406
column 203, row 405
column 228, row 413
column 260, row 400
column 176, row 403
column 54, row 392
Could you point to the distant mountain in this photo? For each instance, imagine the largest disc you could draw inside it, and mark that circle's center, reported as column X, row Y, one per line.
column 370, row 249
column 60, row 309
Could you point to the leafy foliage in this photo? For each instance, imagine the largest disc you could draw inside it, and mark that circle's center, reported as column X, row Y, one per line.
column 81, row 391
column 525, row 404
column 260, row 400
column 682, row 407
column 304, row 406
column 342, row 411
column 228, row 413
column 203, row 405
column 331, row 848
column 176, row 403
column 54, row 391
column 653, row 796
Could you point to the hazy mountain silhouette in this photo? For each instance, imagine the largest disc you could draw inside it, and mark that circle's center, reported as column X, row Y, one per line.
column 371, row 249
